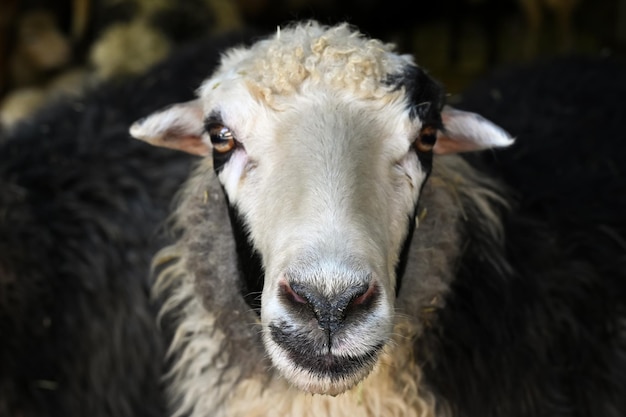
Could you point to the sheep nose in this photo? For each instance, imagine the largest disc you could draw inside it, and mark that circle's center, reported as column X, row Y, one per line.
column 330, row 311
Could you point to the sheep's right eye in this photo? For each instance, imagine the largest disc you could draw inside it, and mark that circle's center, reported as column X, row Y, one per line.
column 221, row 137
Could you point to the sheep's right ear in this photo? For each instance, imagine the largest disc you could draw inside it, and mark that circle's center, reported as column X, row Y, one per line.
column 179, row 126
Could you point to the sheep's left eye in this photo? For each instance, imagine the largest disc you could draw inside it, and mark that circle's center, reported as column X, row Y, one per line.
column 425, row 142
column 221, row 137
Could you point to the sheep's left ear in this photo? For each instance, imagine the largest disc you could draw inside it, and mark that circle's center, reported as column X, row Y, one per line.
column 179, row 126
column 465, row 131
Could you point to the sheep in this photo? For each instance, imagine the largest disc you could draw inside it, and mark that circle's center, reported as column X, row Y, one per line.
column 80, row 213
column 337, row 254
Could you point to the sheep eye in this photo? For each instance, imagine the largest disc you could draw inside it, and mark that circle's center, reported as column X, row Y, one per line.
column 426, row 139
column 221, row 137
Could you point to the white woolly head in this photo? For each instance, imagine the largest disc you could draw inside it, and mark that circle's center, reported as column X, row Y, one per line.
column 322, row 140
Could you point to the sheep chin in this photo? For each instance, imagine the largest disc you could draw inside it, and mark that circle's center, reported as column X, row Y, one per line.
column 312, row 381
column 306, row 381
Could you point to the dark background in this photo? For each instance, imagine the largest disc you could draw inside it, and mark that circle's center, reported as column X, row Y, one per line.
column 456, row 40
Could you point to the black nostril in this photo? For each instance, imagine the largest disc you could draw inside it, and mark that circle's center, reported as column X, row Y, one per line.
column 365, row 298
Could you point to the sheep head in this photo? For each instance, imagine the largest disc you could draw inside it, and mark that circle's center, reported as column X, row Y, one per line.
column 322, row 140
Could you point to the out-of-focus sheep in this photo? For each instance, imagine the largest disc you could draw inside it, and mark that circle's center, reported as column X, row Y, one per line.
column 80, row 213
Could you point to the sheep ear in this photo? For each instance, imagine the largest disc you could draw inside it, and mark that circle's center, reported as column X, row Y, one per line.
column 179, row 126
column 465, row 131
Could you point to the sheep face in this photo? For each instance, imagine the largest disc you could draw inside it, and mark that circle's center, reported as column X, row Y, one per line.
column 327, row 198
column 322, row 141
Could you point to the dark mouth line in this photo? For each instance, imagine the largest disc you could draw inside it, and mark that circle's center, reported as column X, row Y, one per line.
column 326, row 365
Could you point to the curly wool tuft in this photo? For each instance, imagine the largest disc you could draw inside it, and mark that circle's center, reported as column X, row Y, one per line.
column 337, row 57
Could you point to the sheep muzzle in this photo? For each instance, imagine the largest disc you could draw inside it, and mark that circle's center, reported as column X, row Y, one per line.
column 326, row 326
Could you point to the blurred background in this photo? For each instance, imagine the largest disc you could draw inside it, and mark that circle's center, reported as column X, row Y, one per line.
column 56, row 47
